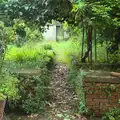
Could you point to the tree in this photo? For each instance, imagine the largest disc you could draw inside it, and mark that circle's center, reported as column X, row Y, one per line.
column 38, row 11
column 101, row 15
column 91, row 14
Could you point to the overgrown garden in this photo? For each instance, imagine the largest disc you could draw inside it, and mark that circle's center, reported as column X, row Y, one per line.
column 27, row 60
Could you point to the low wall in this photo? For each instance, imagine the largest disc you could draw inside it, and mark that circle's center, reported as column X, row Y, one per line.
column 2, row 105
column 102, row 92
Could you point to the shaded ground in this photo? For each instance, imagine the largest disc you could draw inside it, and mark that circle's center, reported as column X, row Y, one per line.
column 63, row 100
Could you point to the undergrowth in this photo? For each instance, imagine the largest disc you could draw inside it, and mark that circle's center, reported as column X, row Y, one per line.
column 75, row 80
column 112, row 114
column 33, row 90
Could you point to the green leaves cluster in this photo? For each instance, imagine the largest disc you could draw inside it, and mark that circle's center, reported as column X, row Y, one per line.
column 75, row 79
column 112, row 114
column 38, row 11
column 32, row 88
column 33, row 92
column 8, row 87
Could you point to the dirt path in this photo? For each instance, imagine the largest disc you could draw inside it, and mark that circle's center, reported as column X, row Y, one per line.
column 63, row 97
column 63, row 100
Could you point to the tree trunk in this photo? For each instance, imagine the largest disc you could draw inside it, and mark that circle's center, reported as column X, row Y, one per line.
column 89, row 45
column 115, row 42
column 83, row 36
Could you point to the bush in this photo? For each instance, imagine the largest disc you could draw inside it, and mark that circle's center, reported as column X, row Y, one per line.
column 29, row 57
column 47, row 47
column 18, row 33
column 75, row 80
column 33, row 91
column 8, row 86
column 32, row 88
column 67, row 51
column 112, row 114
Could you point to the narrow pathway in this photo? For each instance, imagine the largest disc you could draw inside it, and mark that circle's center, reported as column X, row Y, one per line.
column 63, row 97
column 64, row 100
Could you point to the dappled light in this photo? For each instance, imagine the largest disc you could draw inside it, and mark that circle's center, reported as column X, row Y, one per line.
column 59, row 60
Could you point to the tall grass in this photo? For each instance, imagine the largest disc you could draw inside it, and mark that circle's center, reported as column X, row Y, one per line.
column 66, row 51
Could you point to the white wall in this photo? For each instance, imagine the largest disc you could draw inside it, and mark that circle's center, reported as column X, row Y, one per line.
column 50, row 34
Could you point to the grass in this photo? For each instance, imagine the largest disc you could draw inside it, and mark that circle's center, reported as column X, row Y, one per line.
column 65, row 51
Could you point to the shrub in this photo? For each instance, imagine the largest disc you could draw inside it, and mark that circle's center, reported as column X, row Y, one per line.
column 32, row 88
column 67, row 51
column 8, row 86
column 75, row 79
column 19, row 33
column 33, row 91
column 30, row 57
column 112, row 114
column 47, row 47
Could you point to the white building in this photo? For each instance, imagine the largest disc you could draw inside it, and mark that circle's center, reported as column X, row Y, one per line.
column 55, row 32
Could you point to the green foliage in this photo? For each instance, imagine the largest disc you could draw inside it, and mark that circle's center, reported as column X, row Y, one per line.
column 29, row 56
column 75, row 79
column 64, row 116
column 69, row 52
column 66, row 51
column 32, row 88
column 112, row 114
column 114, row 58
column 8, row 86
column 24, row 33
column 39, row 12
column 47, row 47
column 33, row 91
column 19, row 32
column 2, row 97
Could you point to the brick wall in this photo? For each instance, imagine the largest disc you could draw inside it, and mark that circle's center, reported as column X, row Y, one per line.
column 101, row 93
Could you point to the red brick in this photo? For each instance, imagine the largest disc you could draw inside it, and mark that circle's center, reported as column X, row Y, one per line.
column 115, row 94
column 101, row 100
column 92, row 96
column 98, row 101
column 99, row 84
column 114, row 100
column 109, row 106
column 90, row 106
column 113, row 97
column 96, row 107
column 115, row 104
column 98, row 93
column 103, row 97
column 87, row 84
column 88, row 103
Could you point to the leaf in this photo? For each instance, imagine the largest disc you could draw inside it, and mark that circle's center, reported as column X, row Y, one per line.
column 111, row 118
column 26, row 7
column 20, row 13
column 60, row 115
